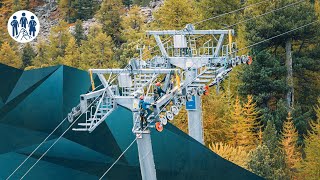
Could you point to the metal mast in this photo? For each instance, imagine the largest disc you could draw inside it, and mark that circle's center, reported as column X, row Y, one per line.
column 189, row 67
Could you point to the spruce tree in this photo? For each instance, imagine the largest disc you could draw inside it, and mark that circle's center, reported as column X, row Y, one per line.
column 271, row 141
column 109, row 16
column 59, row 38
column 260, row 162
column 127, row 3
column 85, row 9
column 79, row 32
column 27, row 55
column 42, row 57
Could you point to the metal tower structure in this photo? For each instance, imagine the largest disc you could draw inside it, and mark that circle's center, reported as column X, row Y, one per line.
column 190, row 62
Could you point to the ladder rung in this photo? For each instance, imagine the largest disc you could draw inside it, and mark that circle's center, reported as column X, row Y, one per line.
column 79, row 129
column 196, row 85
column 206, row 77
column 201, row 81
column 212, row 68
column 208, row 72
column 84, row 124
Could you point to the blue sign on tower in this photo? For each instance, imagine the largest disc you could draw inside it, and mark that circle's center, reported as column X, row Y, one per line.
column 191, row 105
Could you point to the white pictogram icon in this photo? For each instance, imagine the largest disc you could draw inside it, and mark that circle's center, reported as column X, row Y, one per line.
column 23, row 26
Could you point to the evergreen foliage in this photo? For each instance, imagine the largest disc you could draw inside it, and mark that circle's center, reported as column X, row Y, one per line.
column 175, row 14
column 109, row 16
column 42, row 57
column 78, row 9
column 27, row 55
column 79, row 32
column 59, row 38
column 263, row 164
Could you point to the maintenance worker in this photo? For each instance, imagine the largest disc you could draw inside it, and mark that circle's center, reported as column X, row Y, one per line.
column 143, row 108
column 159, row 92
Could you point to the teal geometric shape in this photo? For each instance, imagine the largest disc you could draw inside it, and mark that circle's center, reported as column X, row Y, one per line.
column 30, row 78
column 15, row 138
column 41, row 109
column 1, row 102
column 8, row 78
column 74, row 82
column 74, row 151
column 44, row 170
column 35, row 109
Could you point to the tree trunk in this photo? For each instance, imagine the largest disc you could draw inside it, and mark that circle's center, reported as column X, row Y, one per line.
column 290, row 93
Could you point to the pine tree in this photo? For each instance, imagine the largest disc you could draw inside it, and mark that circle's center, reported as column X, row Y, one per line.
column 67, row 10
column 59, row 38
column 175, row 14
column 127, row 3
column 289, row 145
column 270, row 138
column 133, row 32
column 140, row 2
column 85, row 9
column 79, row 32
column 42, row 57
column 97, row 51
column 271, row 141
column 9, row 57
column 27, row 55
column 262, row 163
column 16, row 5
column 265, row 81
column 310, row 166
column 279, row 22
column 211, row 8
column 109, row 15
column 133, row 24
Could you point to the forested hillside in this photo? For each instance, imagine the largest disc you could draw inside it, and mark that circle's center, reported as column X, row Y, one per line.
column 266, row 117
